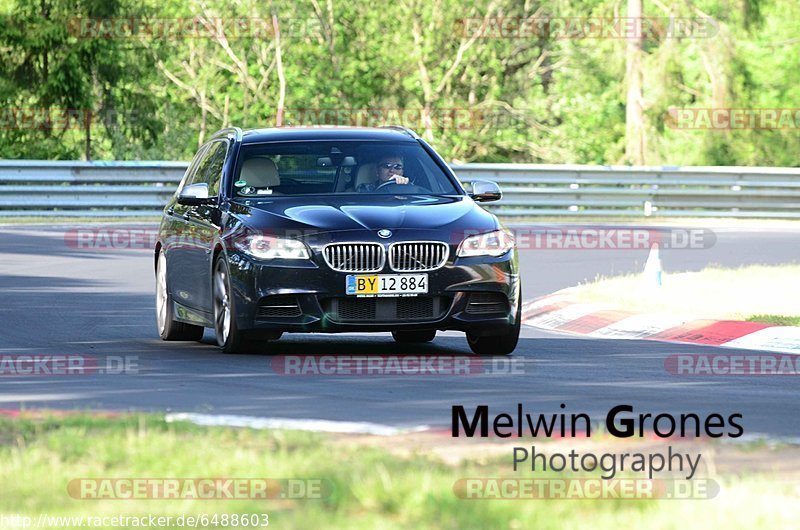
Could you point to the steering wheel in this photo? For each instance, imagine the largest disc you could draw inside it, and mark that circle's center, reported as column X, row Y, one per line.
column 388, row 183
column 411, row 180
column 408, row 188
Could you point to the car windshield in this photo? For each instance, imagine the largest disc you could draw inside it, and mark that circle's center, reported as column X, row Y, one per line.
column 338, row 167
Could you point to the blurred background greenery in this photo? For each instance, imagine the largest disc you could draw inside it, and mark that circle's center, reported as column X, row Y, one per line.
column 542, row 98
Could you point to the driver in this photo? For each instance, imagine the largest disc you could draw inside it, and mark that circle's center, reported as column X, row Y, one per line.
column 389, row 168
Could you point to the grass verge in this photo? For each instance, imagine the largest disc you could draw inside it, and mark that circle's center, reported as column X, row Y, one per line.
column 778, row 320
column 744, row 293
column 371, row 487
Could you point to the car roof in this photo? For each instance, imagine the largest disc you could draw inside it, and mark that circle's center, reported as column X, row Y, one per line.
column 288, row 134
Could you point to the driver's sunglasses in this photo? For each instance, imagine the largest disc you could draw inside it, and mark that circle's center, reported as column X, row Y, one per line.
column 391, row 166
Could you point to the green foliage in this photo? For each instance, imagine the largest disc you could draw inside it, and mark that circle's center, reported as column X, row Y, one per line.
column 50, row 74
column 529, row 98
column 778, row 320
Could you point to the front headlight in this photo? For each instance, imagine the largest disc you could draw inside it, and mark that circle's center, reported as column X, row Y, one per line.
column 493, row 244
column 273, row 247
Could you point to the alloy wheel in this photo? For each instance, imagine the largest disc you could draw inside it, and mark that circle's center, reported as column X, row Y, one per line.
column 222, row 309
column 161, row 293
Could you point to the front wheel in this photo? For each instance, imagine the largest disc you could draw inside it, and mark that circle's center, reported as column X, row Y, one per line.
column 229, row 337
column 498, row 344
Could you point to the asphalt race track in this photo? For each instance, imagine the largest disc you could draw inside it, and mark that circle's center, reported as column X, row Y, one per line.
column 57, row 299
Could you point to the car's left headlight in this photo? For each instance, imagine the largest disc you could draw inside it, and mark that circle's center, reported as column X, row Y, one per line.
column 493, row 244
column 273, row 247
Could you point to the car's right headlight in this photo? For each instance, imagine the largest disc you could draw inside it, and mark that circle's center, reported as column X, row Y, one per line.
column 493, row 244
column 272, row 247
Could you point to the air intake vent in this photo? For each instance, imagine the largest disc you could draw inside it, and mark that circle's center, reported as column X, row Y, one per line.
column 358, row 309
column 279, row 306
column 406, row 309
column 486, row 303
column 418, row 256
column 415, row 308
column 355, row 257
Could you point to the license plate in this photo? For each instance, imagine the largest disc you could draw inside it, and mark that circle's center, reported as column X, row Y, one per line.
column 386, row 284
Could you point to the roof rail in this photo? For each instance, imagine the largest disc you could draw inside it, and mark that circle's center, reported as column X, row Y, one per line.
column 403, row 129
column 235, row 132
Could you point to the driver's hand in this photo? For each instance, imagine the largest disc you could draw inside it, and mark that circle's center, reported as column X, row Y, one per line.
column 400, row 179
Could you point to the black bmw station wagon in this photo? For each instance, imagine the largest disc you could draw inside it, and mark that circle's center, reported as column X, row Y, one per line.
column 332, row 230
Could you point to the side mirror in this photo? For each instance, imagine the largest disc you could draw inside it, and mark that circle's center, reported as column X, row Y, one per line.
column 194, row 195
column 485, row 191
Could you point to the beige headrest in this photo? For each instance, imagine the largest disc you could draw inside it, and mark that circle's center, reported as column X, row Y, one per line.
column 366, row 175
column 260, row 173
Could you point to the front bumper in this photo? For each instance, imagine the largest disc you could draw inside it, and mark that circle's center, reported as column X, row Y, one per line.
column 479, row 295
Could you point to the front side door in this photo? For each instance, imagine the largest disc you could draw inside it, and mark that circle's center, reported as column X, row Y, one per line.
column 177, row 246
column 199, row 226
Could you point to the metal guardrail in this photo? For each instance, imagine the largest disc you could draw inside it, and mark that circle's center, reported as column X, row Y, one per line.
column 574, row 190
column 134, row 189
column 35, row 188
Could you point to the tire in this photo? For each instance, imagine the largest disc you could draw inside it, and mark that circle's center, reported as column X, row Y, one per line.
column 498, row 344
column 414, row 336
column 229, row 337
column 168, row 327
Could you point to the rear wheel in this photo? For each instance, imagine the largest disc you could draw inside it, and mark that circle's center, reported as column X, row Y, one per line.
column 498, row 344
column 414, row 336
column 168, row 327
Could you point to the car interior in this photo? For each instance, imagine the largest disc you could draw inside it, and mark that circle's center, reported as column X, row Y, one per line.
column 315, row 173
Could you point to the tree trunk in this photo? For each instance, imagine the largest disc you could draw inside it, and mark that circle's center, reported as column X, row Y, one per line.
column 46, row 75
column 88, row 125
column 281, row 78
column 634, row 115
